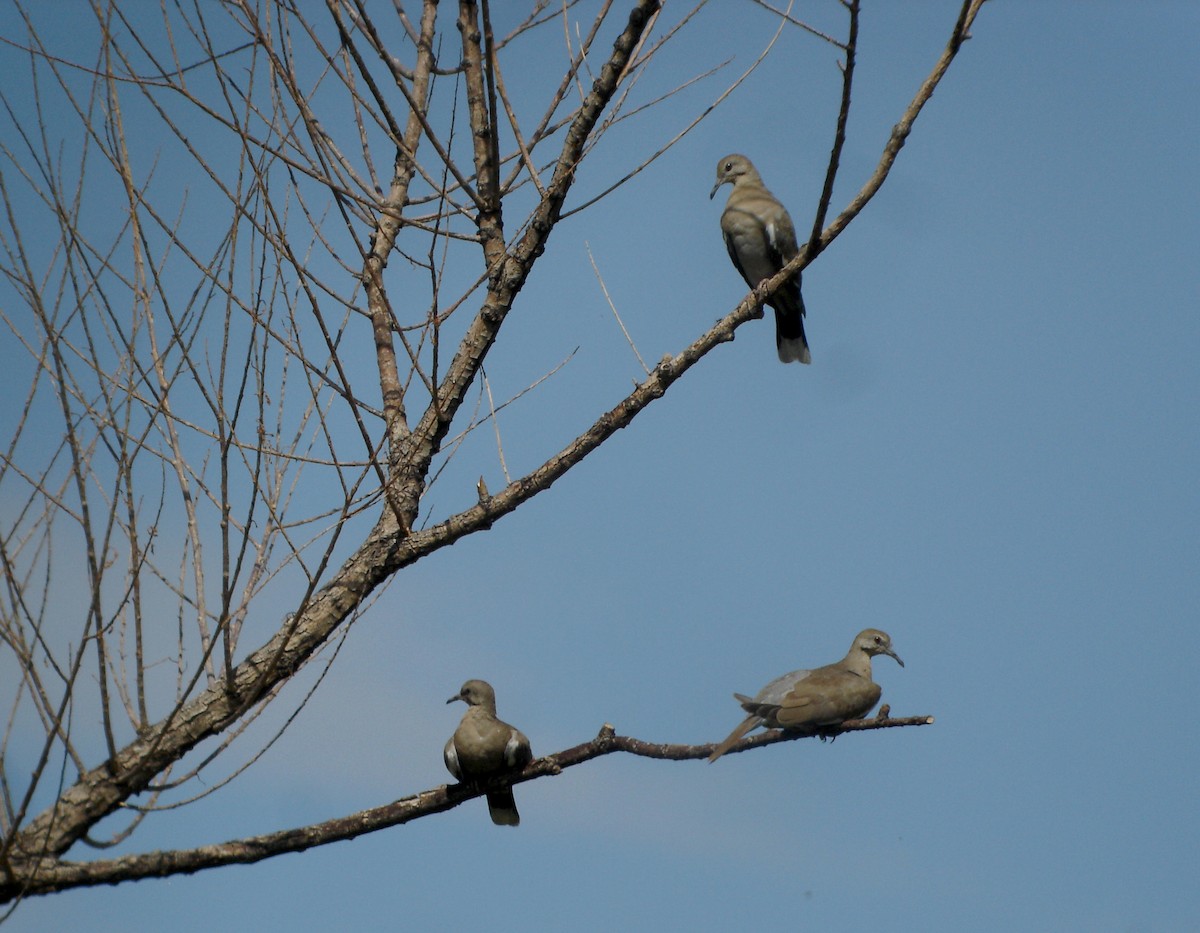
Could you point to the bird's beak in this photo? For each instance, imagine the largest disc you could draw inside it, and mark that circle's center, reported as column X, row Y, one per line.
column 895, row 657
column 712, row 194
column 458, row 696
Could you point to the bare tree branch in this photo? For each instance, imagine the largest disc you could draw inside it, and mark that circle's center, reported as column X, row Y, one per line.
column 49, row 876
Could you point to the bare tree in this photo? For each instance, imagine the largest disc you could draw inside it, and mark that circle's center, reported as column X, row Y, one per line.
column 255, row 262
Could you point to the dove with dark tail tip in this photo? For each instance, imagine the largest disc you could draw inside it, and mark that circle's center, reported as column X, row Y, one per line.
column 761, row 240
column 483, row 746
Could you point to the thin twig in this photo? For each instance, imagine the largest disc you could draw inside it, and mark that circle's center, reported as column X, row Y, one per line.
column 487, row 388
column 616, row 313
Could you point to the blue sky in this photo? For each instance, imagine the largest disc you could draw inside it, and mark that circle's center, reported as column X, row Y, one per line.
column 993, row 457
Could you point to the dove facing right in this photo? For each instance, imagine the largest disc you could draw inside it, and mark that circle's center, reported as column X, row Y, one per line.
column 827, row 696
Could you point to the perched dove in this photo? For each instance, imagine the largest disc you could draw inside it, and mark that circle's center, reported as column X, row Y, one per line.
column 827, row 696
column 483, row 746
column 761, row 240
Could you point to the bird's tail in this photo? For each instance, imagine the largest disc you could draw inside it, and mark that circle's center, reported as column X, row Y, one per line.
column 503, row 808
column 790, row 340
column 734, row 737
column 789, row 324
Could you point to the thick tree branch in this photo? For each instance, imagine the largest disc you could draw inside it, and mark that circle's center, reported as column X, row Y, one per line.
column 481, row 109
column 101, row 790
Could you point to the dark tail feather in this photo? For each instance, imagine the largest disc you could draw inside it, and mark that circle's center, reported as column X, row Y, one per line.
column 503, row 808
column 790, row 340
column 734, row 737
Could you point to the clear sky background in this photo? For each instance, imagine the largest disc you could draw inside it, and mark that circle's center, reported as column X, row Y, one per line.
column 994, row 457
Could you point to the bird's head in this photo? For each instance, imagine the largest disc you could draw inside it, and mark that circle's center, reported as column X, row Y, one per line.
column 730, row 169
column 476, row 693
column 873, row 642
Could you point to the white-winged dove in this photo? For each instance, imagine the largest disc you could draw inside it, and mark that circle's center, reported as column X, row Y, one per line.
column 808, row 700
column 483, row 746
column 761, row 240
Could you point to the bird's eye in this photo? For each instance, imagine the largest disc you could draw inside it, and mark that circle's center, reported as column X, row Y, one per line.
column 729, row 166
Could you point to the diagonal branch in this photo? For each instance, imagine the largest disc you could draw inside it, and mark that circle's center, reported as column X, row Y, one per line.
column 50, row 876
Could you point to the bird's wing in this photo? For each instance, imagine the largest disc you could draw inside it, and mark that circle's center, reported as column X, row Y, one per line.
column 517, row 752
column 450, row 755
column 827, row 698
column 774, row 692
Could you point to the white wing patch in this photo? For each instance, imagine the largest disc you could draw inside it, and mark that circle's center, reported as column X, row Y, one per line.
column 512, row 749
column 450, row 754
